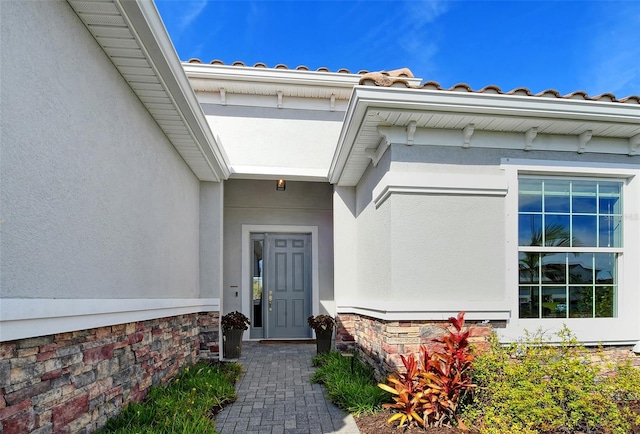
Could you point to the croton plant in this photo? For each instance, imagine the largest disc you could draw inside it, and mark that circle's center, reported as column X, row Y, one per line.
column 427, row 394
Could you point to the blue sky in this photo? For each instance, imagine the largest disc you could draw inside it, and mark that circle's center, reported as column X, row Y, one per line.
column 592, row 46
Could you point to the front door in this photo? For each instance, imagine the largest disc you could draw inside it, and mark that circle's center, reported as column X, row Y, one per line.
column 287, row 290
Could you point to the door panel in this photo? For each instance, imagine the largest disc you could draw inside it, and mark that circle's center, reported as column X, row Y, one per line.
column 288, row 283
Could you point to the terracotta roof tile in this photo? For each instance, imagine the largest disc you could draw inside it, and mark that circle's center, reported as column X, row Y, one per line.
column 278, row 66
column 385, row 79
column 397, row 78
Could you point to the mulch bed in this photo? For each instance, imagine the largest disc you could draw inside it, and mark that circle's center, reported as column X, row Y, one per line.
column 377, row 424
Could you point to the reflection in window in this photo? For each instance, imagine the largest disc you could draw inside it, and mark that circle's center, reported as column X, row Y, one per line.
column 257, row 274
column 569, row 237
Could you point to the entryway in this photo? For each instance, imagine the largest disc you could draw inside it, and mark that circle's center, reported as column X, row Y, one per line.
column 280, row 290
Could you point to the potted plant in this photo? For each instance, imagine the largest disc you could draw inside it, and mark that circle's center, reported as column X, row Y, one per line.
column 323, row 326
column 233, row 326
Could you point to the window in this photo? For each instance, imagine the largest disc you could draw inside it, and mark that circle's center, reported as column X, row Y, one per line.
column 569, row 240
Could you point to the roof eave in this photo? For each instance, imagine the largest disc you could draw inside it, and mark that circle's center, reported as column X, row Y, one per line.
column 209, row 162
column 499, row 105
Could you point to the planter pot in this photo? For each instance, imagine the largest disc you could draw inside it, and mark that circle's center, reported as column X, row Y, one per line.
column 323, row 340
column 232, row 344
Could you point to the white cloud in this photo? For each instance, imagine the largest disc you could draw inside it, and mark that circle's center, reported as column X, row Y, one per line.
column 408, row 33
column 613, row 65
column 190, row 12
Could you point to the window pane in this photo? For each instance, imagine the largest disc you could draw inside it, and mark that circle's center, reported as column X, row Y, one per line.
column 584, row 197
column 557, row 231
column 585, row 231
column 529, row 230
column 581, row 268
column 530, row 198
column 556, row 196
column 554, row 268
column 581, row 302
column 610, row 194
column 610, row 205
column 529, row 302
column 611, row 231
column 554, row 302
column 605, row 301
column 529, row 265
column 605, row 268
column 569, row 215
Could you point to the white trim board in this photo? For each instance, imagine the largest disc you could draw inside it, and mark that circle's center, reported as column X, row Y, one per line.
column 422, row 311
column 442, row 184
column 247, row 230
column 22, row 318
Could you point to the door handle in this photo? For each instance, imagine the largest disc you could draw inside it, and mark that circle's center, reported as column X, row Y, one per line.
column 270, row 299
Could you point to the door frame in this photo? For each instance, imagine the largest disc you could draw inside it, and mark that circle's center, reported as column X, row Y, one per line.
column 247, row 230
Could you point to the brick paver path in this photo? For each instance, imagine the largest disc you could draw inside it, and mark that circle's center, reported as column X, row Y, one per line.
column 275, row 395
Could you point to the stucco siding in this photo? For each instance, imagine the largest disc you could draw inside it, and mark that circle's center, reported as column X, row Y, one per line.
column 211, row 230
column 373, row 241
column 447, row 248
column 249, row 202
column 96, row 202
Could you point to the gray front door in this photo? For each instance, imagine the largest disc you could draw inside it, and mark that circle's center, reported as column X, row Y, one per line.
column 288, row 285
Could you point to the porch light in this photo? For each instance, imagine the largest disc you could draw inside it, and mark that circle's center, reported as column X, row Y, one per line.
column 281, row 185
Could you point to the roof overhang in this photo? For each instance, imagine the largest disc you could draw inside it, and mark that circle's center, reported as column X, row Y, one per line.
column 132, row 35
column 270, row 81
column 378, row 117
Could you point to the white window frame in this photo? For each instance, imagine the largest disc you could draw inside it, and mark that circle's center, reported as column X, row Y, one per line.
column 623, row 329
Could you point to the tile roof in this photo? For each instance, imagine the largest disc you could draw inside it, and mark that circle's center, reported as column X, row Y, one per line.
column 397, row 78
column 278, row 66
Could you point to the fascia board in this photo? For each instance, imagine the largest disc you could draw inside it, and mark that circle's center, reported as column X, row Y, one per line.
column 353, row 119
column 146, row 24
column 497, row 104
column 269, row 75
column 365, row 98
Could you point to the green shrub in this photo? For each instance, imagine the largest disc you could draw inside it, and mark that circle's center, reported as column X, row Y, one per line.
column 354, row 392
column 185, row 405
column 534, row 387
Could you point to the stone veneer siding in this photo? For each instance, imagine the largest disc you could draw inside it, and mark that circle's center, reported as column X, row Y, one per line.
column 380, row 342
column 73, row 382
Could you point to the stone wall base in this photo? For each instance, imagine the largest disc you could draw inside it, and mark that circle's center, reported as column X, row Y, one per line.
column 73, row 382
column 380, row 343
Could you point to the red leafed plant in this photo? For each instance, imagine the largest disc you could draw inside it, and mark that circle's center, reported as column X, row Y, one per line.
column 427, row 394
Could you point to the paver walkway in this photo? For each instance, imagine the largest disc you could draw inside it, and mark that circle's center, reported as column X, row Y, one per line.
column 276, row 396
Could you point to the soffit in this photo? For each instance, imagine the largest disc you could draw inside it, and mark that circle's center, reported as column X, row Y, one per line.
column 133, row 37
column 375, row 119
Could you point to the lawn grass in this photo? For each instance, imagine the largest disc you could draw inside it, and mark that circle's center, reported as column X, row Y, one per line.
column 356, row 392
column 185, row 405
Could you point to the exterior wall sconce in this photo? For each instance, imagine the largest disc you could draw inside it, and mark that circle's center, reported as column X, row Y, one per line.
column 281, row 185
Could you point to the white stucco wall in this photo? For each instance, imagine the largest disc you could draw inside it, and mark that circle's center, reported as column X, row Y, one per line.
column 249, row 202
column 95, row 201
column 447, row 248
column 211, row 234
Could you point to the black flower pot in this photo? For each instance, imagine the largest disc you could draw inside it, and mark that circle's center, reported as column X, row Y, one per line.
column 323, row 340
column 232, row 345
